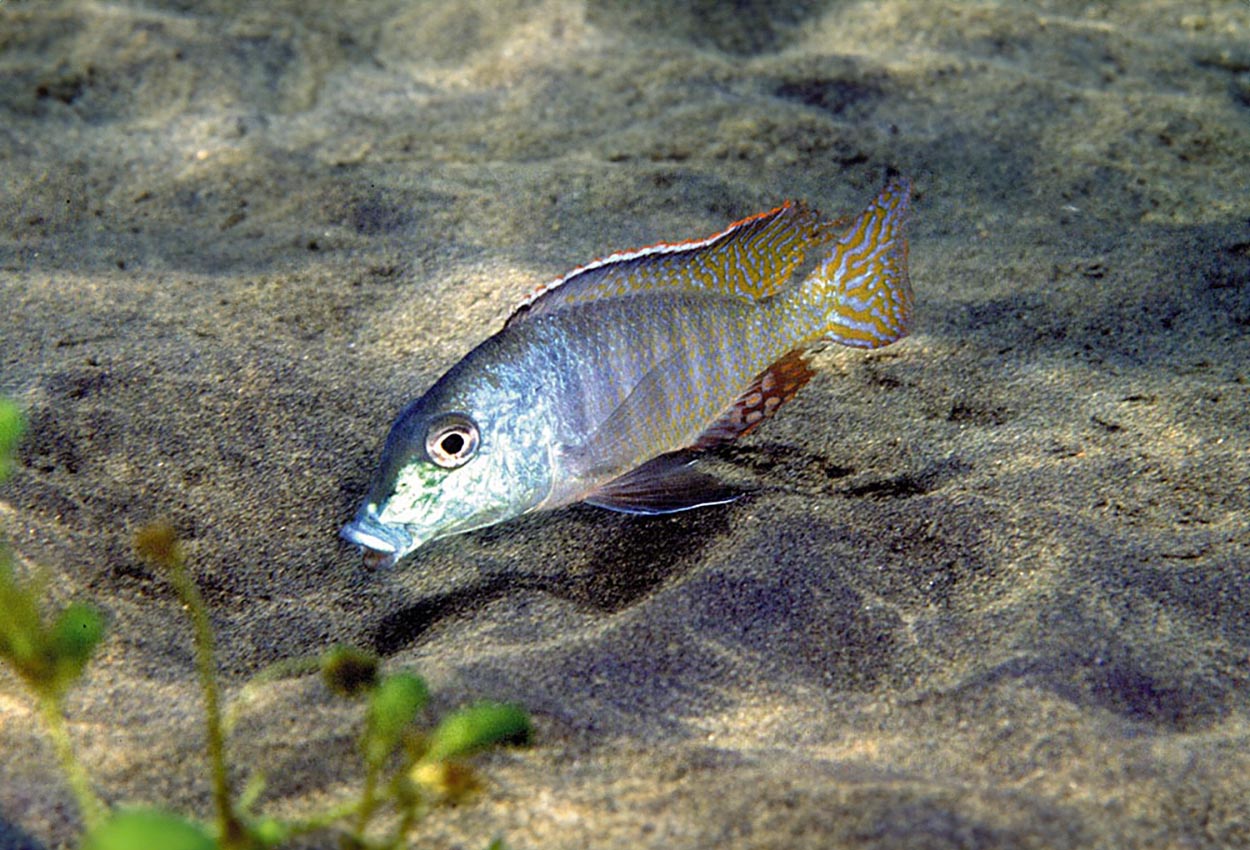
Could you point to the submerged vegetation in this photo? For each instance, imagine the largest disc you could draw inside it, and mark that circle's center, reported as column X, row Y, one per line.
column 407, row 767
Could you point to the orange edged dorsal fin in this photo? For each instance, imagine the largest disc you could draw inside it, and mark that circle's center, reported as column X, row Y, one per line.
column 767, row 393
column 750, row 259
column 663, row 485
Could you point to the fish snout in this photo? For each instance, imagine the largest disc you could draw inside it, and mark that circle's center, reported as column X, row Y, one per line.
column 382, row 545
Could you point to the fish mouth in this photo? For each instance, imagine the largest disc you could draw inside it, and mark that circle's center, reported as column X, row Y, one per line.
column 382, row 545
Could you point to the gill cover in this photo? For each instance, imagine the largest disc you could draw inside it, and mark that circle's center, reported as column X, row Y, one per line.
column 440, row 474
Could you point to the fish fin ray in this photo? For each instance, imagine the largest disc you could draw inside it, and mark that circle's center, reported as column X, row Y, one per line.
column 638, row 417
column 770, row 389
column 862, row 284
column 750, row 259
column 663, row 485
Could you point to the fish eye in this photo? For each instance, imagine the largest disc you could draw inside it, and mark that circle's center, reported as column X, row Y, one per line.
column 451, row 440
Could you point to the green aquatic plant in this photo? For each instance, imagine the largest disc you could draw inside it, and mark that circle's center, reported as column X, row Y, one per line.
column 11, row 428
column 48, row 653
column 407, row 768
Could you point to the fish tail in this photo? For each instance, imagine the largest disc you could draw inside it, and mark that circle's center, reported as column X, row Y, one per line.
column 860, row 290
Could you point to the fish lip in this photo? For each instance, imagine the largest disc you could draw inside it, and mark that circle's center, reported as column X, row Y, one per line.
column 382, row 545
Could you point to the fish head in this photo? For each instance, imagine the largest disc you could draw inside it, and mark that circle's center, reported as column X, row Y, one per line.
column 446, row 471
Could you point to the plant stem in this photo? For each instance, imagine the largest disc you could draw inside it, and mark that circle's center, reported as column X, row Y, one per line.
column 231, row 829
column 89, row 805
column 368, row 800
column 323, row 820
column 406, row 821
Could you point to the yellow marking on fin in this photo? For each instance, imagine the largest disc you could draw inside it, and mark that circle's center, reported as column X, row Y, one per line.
column 767, row 393
column 864, row 279
column 750, row 259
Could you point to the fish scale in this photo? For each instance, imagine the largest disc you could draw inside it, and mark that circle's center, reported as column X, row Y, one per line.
column 605, row 384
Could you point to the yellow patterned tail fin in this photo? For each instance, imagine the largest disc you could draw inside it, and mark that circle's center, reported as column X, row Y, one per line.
column 861, row 287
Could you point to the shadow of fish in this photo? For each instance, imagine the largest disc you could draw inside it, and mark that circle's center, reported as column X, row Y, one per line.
column 605, row 385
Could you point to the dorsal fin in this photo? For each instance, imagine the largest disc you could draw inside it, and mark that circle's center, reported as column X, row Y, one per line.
column 751, row 259
column 767, row 393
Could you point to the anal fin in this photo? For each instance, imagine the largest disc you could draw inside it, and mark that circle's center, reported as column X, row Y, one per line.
column 767, row 393
column 663, row 485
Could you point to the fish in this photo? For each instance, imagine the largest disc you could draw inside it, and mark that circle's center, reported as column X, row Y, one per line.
column 606, row 385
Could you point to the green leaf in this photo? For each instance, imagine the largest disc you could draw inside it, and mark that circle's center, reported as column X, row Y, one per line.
column 48, row 658
column 148, row 829
column 22, row 642
column 392, row 708
column 270, row 832
column 11, row 427
column 73, row 638
column 476, row 727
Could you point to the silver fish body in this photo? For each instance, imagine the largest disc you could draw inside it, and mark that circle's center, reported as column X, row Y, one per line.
column 605, row 386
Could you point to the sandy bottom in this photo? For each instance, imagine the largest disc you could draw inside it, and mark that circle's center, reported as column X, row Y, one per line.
column 992, row 585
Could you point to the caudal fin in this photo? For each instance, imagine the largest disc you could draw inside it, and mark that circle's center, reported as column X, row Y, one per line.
column 861, row 287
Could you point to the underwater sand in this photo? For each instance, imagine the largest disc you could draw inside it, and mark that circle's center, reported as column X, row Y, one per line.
column 991, row 588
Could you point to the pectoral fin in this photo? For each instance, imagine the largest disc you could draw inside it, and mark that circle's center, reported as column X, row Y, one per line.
column 663, row 485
